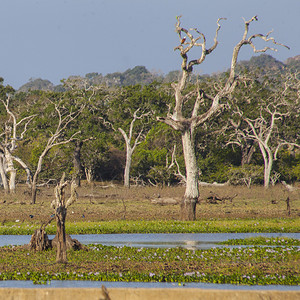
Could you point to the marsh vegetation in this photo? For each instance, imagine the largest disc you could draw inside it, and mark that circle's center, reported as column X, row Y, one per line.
column 115, row 209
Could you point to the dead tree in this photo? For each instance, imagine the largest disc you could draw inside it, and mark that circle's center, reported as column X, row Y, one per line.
column 39, row 240
column 60, row 205
column 128, row 141
column 131, row 139
column 14, row 130
column 2, row 171
column 55, row 138
column 273, row 112
column 187, row 125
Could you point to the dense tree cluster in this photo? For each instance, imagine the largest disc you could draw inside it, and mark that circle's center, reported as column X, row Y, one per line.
column 226, row 147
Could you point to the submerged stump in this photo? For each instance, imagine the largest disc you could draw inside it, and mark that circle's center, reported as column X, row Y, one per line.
column 70, row 243
column 40, row 241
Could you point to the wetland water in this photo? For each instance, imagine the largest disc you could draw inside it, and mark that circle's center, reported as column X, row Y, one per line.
column 185, row 240
column 120, row 284
column 154, row 240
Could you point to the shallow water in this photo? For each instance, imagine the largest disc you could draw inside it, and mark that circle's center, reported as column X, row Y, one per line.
column 157, row 240
column 185, row 240
column 119, row 284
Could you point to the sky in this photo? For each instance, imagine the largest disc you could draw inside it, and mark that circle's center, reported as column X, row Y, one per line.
column 54, row 39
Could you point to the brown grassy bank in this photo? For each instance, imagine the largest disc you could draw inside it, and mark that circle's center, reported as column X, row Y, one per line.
column 114, row 202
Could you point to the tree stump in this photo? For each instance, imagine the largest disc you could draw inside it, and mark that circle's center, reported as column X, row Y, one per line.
column 70, row 243
column 39, row 241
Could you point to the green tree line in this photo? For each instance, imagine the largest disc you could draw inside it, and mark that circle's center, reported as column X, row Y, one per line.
column 98, row 152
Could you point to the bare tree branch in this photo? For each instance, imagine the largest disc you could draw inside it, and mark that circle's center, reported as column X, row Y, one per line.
column 191, row 39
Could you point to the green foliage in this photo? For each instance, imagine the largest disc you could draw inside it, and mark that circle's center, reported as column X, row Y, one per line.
column 103, row 149
column 129, row 226
column 153, row 157
column 247, row 174
column 288, row 166
column 94, row 154
column 213, row 168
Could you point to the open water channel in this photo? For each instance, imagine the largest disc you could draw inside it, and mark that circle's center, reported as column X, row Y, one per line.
column 185, row 240
column 155, row 240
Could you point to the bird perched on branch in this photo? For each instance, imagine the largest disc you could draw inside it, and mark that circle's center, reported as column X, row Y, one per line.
column 183, row 40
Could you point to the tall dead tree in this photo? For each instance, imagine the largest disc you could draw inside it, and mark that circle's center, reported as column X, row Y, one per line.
column 187, row 125
column 14, row 131
column 56, row 138
column 60, row 205
column 129, row 146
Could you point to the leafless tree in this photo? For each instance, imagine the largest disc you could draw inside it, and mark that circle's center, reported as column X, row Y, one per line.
column 132, row 139
column 187, row 125
column 14, row 131
column 174, row 162
column 56, row 138
column 129, row 139
column 282, row 103
column 60, row 205
column 2, row 171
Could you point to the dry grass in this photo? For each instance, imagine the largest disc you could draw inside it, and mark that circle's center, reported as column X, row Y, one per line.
column 114, row 202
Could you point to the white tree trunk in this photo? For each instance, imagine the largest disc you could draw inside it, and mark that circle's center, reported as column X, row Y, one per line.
column 89, row 174
column 11, row 170
column 27, row 170
column 2, row 174
column 36, row 175
column 267, row 170
column 127, row 166
column 188, row 205
column 268, row 162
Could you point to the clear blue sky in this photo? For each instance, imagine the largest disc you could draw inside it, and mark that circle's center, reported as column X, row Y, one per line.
column 53, row 39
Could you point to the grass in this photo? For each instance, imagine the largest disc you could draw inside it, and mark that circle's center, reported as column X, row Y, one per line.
column 130, row 226
column 97, row 204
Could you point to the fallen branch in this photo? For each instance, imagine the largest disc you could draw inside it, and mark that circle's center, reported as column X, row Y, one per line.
column 214, row 198
column 202, row 183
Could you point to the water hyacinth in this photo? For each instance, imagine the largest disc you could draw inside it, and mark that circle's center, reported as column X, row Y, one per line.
column 243, row 265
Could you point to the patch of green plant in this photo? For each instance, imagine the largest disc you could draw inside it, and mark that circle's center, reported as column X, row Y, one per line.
column 201, row 226
column 243, row 265
column 278, row 241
